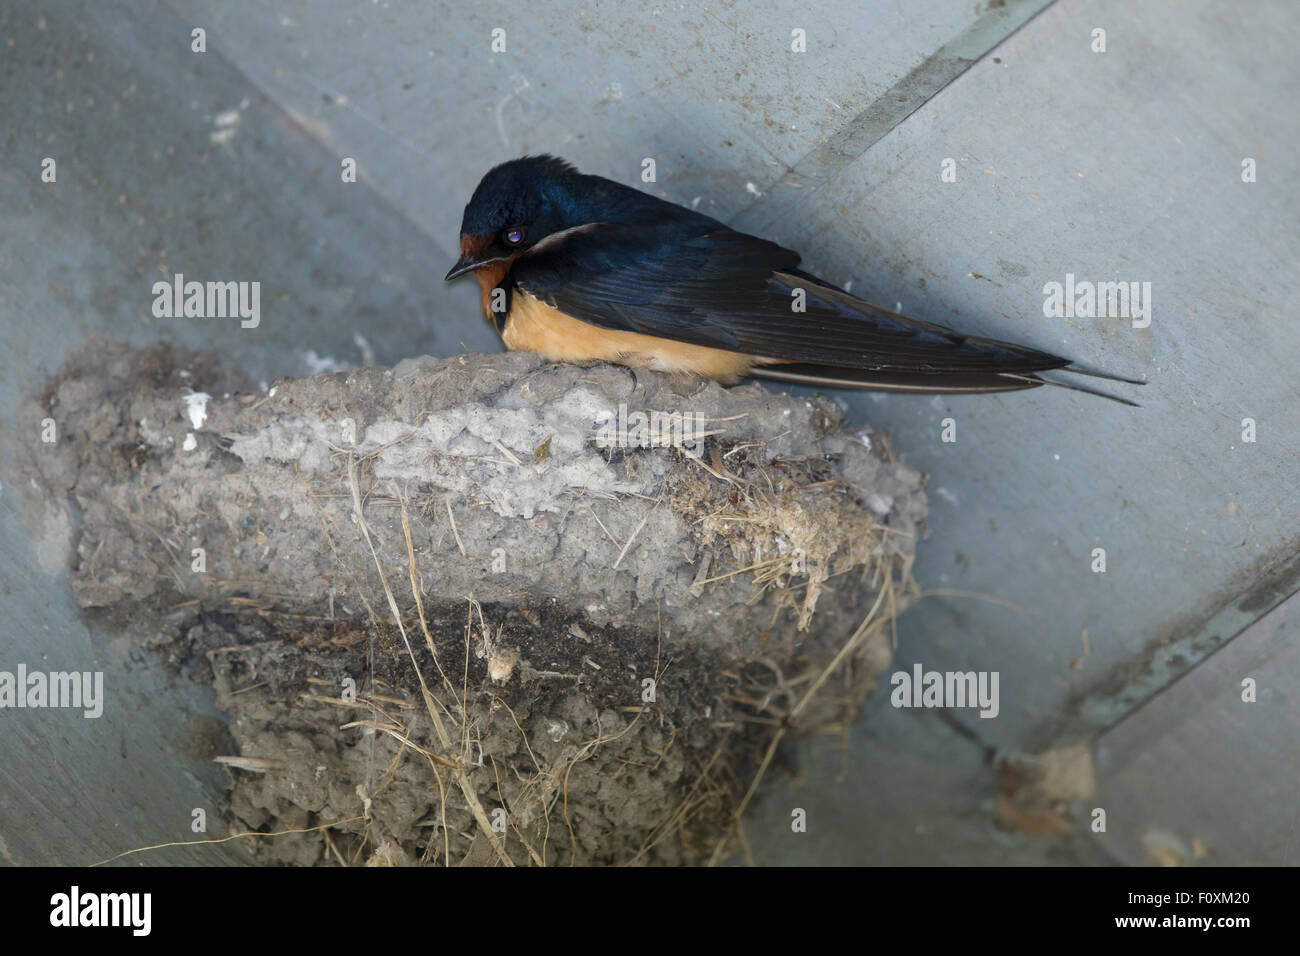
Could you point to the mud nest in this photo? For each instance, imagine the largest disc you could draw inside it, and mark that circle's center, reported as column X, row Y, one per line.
column 471, row 611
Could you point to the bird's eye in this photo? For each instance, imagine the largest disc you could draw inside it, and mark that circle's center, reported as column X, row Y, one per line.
column 514, row 235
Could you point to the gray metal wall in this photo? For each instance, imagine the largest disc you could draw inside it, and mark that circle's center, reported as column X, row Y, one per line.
column 1116, row 165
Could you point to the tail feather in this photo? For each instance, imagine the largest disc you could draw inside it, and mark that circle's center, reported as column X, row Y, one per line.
column 933, row 383
column 1075, row 387
column 1096, row 373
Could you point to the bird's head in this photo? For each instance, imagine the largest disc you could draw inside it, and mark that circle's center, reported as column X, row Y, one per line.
column 516, row 206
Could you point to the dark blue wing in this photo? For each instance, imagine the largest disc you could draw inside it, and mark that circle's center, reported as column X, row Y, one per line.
column 694, row 280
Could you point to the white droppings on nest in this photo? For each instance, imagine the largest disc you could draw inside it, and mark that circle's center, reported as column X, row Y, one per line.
column 880, row 504
column 190, row 442
column 317, row 364
column 196, row 407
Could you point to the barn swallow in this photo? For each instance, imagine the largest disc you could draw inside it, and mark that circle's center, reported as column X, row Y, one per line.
column 579, row 268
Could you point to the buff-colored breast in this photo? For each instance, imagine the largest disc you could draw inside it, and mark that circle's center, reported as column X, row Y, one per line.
column 533, row 326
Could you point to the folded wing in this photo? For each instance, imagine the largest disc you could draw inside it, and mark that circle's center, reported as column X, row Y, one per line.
column 697, row 281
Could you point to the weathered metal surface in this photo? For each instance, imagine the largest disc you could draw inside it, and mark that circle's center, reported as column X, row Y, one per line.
column 1122, row 165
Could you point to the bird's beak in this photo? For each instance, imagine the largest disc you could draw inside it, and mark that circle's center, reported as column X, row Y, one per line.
column 467, row 263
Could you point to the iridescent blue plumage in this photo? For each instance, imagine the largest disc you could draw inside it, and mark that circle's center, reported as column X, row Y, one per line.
column 621, row 260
